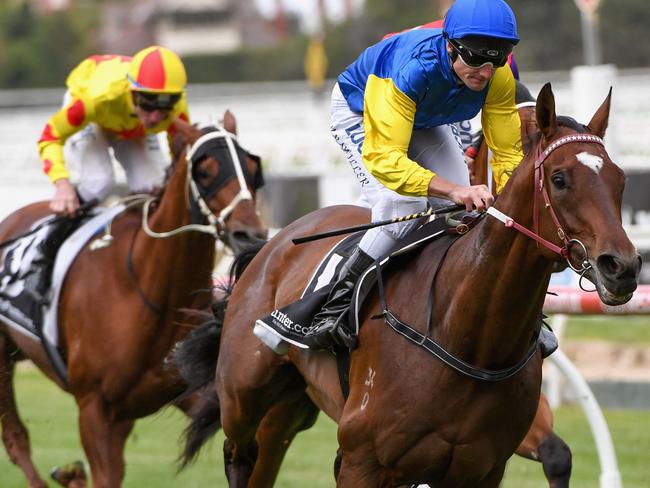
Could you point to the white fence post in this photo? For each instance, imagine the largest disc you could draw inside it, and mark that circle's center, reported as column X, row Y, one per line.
column 609, row 475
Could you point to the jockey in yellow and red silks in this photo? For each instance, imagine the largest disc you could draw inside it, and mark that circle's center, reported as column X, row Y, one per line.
column 119, row 102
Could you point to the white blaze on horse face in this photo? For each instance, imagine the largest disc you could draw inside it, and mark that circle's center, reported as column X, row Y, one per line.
column 591, row 161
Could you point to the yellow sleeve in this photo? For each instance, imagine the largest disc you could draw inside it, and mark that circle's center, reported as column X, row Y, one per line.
column 388, row 117
column 70, row 119
column 501, row 126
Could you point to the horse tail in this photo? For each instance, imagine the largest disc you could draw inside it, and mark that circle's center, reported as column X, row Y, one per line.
column 204, row 424
column 196, row 360
column 195, row 357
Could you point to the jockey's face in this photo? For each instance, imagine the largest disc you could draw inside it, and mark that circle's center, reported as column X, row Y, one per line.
column 151, row 118
column 474, row 78
column 152, row 108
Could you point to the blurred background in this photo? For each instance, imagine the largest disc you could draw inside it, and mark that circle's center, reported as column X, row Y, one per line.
column 273, row 64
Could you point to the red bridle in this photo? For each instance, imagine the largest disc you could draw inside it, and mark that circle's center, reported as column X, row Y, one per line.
column 541, row 192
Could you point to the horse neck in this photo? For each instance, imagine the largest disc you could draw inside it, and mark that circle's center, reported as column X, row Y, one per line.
column 505, row 277
column 177, row 258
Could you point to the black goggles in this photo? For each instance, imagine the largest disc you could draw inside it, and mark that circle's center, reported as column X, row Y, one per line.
column 477, row 58
column 150, row 102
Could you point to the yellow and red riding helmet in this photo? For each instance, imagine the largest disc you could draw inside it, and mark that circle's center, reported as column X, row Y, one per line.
column 156, row 71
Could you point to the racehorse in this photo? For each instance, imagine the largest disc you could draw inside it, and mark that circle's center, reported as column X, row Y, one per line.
column 541, row 443
column 121, row 307
column 409, row 417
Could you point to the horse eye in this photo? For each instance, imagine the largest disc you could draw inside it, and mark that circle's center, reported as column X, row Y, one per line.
column 558, row 181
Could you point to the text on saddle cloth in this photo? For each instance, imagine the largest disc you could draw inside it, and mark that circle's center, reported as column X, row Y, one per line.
column 18, row 262
column 292, row 321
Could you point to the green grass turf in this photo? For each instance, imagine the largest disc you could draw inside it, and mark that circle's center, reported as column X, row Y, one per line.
column 50, row 416
column 630, row 329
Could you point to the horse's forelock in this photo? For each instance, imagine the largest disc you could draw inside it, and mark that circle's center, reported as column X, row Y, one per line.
column 571, row 123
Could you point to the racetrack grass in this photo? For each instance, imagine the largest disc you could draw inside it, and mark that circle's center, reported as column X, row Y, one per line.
column 152, row 448
column 625, row 329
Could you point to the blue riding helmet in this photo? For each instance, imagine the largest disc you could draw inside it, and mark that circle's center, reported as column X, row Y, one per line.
column 487, row 18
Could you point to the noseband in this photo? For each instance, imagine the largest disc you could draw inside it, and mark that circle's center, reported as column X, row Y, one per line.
column 540, row 192
column 216, row 223
column 219, row 221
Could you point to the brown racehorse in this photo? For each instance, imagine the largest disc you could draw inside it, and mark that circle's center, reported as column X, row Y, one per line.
column 541, row 443
column 409, row 417
column 121, row 306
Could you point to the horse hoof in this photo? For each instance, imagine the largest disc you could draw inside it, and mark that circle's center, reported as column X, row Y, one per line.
column 66, row 474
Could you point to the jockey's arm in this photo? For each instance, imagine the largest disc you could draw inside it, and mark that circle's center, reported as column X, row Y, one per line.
column 501, row 126
column 388, row 124
column 68, row 120
column 388, row 116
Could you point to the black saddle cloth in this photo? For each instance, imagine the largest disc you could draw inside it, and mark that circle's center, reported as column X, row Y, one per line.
column 292, row 321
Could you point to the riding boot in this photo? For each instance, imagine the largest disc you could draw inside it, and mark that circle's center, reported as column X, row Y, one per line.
column 37, row 284
column 330, row 326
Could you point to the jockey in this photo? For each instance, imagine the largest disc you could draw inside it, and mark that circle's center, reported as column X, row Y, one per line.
column 119, row 102
column 391, row 113
column 114, row 102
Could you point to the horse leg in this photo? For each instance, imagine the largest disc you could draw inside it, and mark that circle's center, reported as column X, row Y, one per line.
column 275, row 434
column 543, row 445
column 494, row 477
column 14, row 433
column 239, row 461
column 358, row 470
column 103, row 440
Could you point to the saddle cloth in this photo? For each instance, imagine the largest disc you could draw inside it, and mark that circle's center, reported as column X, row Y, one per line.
column 288, row 325
column 17, row 308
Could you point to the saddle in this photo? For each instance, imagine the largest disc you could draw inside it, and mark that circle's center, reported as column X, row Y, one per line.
column 288, row 324
column 22, row 260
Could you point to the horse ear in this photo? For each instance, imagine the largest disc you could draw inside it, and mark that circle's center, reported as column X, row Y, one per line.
column 545, row 112
column 598, row 123
column 229, row 122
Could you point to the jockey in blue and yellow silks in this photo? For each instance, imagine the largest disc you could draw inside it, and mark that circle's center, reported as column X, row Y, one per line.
column 392, row 114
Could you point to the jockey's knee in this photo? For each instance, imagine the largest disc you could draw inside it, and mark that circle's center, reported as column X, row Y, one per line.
column 399, row 207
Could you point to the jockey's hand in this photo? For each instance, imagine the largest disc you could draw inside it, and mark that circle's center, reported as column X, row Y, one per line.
column 475, row 197
column 65, row 200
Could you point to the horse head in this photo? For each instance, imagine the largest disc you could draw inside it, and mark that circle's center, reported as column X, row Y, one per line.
column 223, row 179
column 578, row 194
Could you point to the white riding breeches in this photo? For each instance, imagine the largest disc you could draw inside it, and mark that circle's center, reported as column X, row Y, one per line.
column 89, row 152
column 437, row 149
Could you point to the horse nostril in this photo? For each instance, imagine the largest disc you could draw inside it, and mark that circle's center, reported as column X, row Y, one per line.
column 616, row 267
column 609, row 264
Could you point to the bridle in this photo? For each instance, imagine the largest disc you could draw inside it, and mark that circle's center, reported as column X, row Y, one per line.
column 541, row 194
column 218, row 220
column 216, row 223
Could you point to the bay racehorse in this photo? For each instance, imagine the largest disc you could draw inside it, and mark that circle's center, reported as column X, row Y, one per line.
column 409, row 417
column 541, row 443
column 121, row 307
